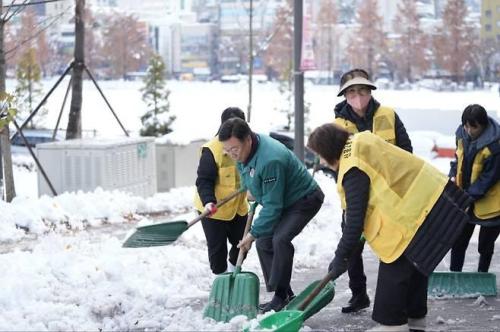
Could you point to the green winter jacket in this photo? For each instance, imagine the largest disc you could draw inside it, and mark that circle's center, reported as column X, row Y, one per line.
column 277, row 179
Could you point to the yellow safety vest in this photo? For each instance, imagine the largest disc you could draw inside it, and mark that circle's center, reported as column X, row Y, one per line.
column 384, row 124
column 228, row 181
column 403, row 190
column 489, row 205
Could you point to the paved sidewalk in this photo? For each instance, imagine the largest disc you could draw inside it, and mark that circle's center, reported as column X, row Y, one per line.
column 477, row 314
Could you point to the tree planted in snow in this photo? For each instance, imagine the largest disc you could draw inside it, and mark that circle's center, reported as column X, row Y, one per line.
column 454, row 40
column 409, row 51
column 156, row 121
column 367, row 46
column 29, row 87
column 127, row 48
column 278, row 55
column 326, row 40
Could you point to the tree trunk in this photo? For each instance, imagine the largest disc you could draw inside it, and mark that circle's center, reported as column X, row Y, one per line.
column 8, row 176
column 75, row 113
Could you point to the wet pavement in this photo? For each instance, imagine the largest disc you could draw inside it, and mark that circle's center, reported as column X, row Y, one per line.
column 449, row 314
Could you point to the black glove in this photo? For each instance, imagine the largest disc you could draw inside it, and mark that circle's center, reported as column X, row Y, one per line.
column 337, row 267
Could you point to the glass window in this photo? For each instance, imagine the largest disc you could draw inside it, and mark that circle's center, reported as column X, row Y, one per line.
column 487, row 13
column 487, row 27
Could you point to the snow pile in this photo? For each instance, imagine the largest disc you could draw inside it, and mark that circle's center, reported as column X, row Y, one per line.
column 76, row 211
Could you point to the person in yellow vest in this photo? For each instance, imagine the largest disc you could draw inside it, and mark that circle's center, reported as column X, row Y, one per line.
column 217, row 178
column 358, row 112
column 476, row 170
column 399, row 203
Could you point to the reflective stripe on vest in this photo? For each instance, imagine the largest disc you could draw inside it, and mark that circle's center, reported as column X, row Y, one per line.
column 384, row 124
column 403, row 190
column 228, row 181
column 488, row 206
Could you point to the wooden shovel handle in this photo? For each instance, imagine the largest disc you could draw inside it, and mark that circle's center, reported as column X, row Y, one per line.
column 219, row 204
column 316, row 291
column 251, row 213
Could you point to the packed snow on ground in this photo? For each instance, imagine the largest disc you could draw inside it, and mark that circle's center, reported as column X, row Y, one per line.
column 69, row 272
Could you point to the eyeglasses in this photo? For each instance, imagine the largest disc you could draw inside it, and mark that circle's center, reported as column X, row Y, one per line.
column 357, row 90
column 233, row 150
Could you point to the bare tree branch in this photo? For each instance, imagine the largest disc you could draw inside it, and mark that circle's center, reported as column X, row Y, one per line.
column 17, row 10
column 31, row 37
column 7, row 11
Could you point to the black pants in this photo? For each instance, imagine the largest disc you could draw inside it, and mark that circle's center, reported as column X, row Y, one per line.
column 217, row 233
column 356, row 272
column 276, row 251
column 355, row 267
column 401, row 293
column 486, row 245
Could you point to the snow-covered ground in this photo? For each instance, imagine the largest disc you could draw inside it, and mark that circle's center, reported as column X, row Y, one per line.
column 70, row 271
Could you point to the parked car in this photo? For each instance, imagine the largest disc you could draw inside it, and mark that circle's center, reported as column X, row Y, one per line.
column 34, row 137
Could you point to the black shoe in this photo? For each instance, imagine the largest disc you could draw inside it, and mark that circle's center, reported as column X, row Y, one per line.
column 289, row 297
column 356, row 303
column 276, row 304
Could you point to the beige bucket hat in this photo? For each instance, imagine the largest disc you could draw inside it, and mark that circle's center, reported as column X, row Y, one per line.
column 356, row 81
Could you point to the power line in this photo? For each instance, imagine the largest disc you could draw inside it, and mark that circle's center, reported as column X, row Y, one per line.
column 31, row 3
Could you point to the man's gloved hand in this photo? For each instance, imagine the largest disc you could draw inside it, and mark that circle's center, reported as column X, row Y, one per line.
column 211, row 208
column 337, row 267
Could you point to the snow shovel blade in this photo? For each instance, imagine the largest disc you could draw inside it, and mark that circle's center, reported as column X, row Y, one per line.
column 156, row 235
column 282, row 321
column 462, row 284
column 291, row 320
column 321, row 300
column 233, row 294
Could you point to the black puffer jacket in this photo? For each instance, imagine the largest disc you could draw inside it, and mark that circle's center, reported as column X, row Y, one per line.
column 343, row 110
column 434, row 238
column 490, row 174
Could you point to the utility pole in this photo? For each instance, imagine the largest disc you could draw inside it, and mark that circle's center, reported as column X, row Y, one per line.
column 250, row 61
column 74, row 128
column 298, row 76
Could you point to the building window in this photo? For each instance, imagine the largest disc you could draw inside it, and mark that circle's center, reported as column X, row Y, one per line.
column 487, row 27
column 498, row 9
column 487, row 13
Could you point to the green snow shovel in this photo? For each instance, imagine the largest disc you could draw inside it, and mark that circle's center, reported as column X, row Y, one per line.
column 310, row 301
column 235, row 293
column 167, row 232
column 462, row 284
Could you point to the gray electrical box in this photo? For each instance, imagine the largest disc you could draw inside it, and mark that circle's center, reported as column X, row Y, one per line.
column 127, row 164
column 176, row 164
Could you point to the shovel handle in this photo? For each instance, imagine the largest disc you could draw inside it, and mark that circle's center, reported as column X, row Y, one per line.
column 251, row 213
column 316, row 291
column 219, row 204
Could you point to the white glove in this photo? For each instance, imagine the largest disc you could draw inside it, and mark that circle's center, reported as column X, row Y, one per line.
column 211, row 208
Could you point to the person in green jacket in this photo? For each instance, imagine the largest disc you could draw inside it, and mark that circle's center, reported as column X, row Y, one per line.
column 289, row 197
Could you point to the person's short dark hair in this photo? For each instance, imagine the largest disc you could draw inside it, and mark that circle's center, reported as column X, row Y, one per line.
column 231, row 112
column 475, row 115
column 328, row 141
column 234, row 127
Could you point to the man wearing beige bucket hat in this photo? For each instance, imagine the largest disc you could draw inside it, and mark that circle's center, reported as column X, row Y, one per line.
column 358, row 112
